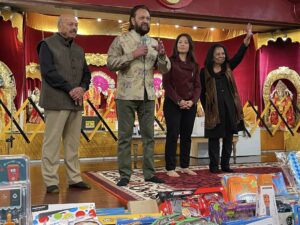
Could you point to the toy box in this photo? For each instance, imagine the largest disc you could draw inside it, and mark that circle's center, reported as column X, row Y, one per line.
column 266, row 203
column 191, row 203
column 64, row 214
column 15, row 196
column 228, row 211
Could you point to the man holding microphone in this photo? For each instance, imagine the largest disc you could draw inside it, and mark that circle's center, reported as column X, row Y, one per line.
column 134, row 55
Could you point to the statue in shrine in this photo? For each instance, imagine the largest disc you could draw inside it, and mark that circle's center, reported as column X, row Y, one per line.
column 33, row 114
column 102, row 87
column 282, row 97
column 94, row 95
column 8, row 93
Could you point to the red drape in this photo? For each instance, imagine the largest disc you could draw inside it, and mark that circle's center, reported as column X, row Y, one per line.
column 276, row 54
column 244, row 73
column 12, row 54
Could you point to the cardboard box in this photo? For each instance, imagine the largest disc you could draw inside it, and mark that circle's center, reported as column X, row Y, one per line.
column 144, row 206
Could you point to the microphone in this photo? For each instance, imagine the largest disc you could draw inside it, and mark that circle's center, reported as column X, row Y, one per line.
column 144, row 42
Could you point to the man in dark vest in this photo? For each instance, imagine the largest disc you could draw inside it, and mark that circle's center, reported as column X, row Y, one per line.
column 65, row 78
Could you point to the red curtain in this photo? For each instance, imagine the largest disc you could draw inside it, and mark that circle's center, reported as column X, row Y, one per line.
column 12, row 54
column 274, row 55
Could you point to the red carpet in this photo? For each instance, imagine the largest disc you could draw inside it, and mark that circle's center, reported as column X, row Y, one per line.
column 140, row 190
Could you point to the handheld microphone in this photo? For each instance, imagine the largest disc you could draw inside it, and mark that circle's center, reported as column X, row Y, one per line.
column 144, row 42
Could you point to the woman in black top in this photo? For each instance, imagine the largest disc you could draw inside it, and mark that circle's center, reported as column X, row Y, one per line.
column 221, row 102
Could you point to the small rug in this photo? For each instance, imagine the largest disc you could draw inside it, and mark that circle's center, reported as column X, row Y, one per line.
column 138, row 189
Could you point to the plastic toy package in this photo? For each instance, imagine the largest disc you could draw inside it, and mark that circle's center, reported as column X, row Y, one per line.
column 290, row 167
column 228, row 211
column 69, row 214
column 191, row 203
column 176, row 219
column 15, row 196
column 240, row 187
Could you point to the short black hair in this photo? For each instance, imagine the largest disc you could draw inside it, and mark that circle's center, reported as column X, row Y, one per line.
column 133, row 14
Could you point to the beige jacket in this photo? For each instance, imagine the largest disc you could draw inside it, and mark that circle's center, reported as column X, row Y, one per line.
column 134, row 74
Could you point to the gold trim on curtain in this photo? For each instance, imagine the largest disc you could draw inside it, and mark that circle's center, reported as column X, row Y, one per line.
column 86, row 26
column 16, row 21
column 263, row 38
column 111, row 27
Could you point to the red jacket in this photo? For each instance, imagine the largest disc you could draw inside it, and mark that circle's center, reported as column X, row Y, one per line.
column 182, row 82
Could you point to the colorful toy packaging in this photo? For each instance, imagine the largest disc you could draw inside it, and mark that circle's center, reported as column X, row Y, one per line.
column 69, row 214
column 15, row 197
column 241, row 187
column 191, row 203
column 228, row 211
column 266, row 203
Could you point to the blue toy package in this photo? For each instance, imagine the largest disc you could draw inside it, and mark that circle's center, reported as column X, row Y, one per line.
column 295, row 167
column 265, row 220
column 279, row 184
column 297, row 214
column 14, row 169
column 140, row 221
column 110, row 211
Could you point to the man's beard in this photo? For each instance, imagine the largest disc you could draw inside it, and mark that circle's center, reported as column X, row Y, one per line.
column 142, row 31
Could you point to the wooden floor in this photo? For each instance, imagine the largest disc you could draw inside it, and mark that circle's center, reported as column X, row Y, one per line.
column 102, row 198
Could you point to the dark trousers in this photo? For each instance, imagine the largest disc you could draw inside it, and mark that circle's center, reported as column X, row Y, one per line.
column 179, row 122
column 214, row 151
column 126, row 115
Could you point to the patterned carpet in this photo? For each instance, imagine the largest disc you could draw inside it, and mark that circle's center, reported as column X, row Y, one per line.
column 138, row 189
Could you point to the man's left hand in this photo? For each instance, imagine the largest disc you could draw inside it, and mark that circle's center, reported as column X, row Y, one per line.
column 77, row 93
column 160, row 48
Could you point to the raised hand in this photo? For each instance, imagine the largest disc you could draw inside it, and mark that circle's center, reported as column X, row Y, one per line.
column 249, row 34
column 160, row 48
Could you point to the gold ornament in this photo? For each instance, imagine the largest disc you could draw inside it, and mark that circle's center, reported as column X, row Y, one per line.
column 96, row 59
column 33, row 71
column 173, row 2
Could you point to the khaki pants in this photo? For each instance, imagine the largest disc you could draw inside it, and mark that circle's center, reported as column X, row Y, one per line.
column 61, row 125
column 126, row 115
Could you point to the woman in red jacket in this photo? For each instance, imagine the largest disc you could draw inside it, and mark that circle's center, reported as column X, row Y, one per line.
column 182, row 91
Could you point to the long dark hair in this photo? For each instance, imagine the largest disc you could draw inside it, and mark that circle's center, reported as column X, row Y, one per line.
column 209, row 61
column 133, row 14
column 190, row 55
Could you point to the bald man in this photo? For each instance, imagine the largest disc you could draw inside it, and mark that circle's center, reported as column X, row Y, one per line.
column 65, row 78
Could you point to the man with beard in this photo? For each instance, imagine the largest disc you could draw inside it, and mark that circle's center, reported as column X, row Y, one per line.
column 65, row 78
column 134, row 55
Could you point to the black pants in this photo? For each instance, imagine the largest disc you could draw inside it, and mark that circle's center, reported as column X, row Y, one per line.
column 179, row 122
column 214, row 152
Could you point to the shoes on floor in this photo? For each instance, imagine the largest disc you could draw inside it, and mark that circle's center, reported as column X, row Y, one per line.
column 188, row 171
column 227, row 170
column 80, row 185
column 155, row 179
column 52, row 189
column 172, row 173
column 215, row 171
column 123, row 182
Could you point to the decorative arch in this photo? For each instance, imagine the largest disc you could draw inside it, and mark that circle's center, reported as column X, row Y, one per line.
column 279, row 74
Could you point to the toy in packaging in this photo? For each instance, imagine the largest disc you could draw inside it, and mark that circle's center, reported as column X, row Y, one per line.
column 15, row 194
column 266, row 203
column 191, row 203
column 265, row 220
column 241, row 187
column 68, row 214
column 228, row 211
